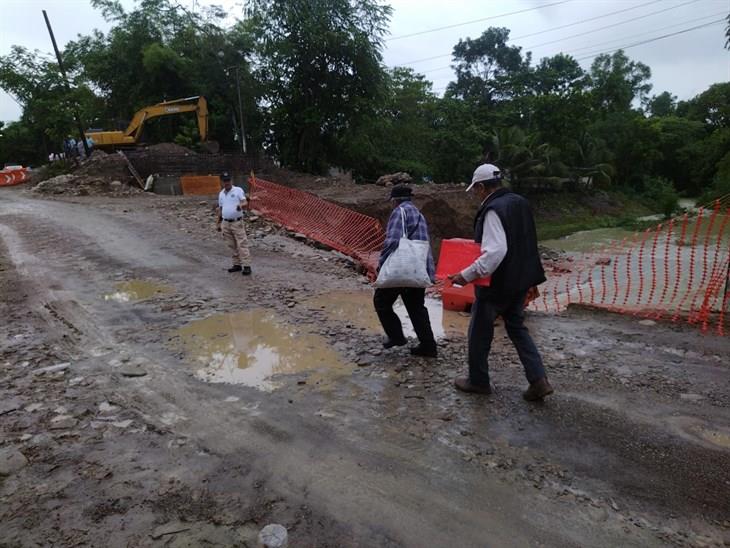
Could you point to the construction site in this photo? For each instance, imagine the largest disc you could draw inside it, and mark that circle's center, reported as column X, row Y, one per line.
column 150, row 398
column 200, row 207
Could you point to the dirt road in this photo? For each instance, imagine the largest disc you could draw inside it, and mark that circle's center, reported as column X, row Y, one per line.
column 119, row 322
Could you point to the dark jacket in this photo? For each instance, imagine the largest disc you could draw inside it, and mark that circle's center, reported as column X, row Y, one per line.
column 521, row 267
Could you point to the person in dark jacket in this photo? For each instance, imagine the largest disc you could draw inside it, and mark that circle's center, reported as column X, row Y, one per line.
column 413, row 297
column 505, row 228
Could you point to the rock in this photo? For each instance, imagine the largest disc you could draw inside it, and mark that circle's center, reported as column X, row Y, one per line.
column 115, row 184
column 132, row 370
column 106, row 407
column 273, row 536
column 10, row 405
column 52, row 368
column 364, row 361
column 169, row 529
column 691, row 397
column 123, row 424
column 299, row 236
column 63, row 421
column 400, row 177
column 11, row 460
column 647, row 322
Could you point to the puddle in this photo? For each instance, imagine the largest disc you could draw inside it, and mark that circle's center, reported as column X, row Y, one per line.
column 135, row 290
column 587, row 240
column 253, row 347
column 356, row 308
column 715, row 437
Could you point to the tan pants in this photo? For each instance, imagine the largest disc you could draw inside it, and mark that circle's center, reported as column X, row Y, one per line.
column 235, row 235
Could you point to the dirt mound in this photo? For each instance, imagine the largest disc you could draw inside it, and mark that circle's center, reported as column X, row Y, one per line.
column 84, row 185
column 102, row 165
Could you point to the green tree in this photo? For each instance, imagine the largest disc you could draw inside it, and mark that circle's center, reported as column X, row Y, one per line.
column 320, row 68
column 489, row 71
column 618, row 81
column 664, row 104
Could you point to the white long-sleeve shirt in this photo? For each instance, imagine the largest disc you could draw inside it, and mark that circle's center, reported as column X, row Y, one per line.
column 494, row 248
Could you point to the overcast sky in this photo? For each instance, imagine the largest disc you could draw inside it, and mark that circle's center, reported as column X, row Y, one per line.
column 684, row 64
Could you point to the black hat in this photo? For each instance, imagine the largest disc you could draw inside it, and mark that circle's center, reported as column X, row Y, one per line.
column 401, row 191
column 225, row 176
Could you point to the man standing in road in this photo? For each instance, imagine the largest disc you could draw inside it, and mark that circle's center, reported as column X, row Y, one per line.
column 413, row 297
column 505, row 228
column 231, row 201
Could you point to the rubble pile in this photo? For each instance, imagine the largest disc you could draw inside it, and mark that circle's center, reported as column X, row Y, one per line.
column 84, row 185
column 394, row 179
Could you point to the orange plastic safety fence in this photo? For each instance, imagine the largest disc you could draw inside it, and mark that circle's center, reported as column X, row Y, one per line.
column 678, row 270
column 349, row 232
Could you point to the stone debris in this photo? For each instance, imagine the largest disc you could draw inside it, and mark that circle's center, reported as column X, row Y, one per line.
column 11, row 460
column 52, row 368
column 273, row 536
column 391, row 179
column 61, row 422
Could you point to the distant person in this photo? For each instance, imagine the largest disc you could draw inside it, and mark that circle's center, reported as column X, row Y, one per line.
column 413, row 297
column 505, row 228
column 231, row 202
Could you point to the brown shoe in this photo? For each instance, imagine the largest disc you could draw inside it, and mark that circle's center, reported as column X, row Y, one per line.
column 538, row 390
column 465, row 385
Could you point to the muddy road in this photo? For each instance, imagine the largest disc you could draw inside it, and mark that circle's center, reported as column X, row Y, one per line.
column 149, row 398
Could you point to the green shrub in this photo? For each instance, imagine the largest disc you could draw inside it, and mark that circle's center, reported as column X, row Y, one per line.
column 662, row 194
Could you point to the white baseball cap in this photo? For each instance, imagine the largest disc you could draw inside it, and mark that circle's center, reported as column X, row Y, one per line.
column 485, row 172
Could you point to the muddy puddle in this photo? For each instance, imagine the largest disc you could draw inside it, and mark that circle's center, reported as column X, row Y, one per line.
column 254, row 347
column 356, row 308
column 135, row 290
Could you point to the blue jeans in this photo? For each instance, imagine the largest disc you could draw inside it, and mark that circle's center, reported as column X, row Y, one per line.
column 481, row 332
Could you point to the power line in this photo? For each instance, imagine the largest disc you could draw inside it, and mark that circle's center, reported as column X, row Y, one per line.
column 593, row 46
column 419, row 33
column 573, row 24
column 612, row 25
column 653, row 39
column 656, row 38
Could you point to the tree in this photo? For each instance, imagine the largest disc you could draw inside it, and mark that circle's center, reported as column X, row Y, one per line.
column 711, row 107
column 399, row 135
column 320, row 67
column 664, row 104
column 489, row 71
column 617, row 82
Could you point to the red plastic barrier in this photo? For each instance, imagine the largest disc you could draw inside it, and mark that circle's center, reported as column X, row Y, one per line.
column 349, row 232
column 13, row 176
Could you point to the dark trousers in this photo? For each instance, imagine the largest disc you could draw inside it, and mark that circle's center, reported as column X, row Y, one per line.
column 481, row 332
column 413, row 299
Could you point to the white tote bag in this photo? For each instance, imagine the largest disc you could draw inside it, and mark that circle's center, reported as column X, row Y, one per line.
column 406, row 266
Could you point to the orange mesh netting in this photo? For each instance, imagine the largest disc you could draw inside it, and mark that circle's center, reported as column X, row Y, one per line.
column 354, row 234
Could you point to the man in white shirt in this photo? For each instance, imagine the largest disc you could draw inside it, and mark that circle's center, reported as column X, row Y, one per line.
column 231, row 201
column 505, row 228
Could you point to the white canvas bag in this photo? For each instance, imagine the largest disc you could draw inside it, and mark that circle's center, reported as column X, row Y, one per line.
column 406, row 266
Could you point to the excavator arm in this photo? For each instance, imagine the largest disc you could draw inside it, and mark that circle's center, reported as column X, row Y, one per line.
column 131, row 136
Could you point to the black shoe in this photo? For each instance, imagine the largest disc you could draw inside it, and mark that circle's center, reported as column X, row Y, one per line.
column 235, row 268
column 426, row 351
column 246, row 271
column 390, row 343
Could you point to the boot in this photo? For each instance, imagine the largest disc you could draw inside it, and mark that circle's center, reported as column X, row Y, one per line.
column 465, row 385
column 538, row 390
column 246, row 271
column 235, row 268
column 390, row 343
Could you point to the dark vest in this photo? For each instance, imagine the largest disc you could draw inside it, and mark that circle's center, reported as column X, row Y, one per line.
column 521, row 267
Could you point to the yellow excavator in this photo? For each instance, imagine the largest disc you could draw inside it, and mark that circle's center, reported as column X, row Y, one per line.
column 133, row 133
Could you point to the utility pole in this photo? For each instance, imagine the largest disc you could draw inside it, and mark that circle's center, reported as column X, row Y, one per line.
column 77, row 117
column 240, row 111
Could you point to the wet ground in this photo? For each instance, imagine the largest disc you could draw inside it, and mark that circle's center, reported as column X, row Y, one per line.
column 149, row 398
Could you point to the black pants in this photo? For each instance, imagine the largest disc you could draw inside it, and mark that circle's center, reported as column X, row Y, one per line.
column 481, row 332
column 413, row 298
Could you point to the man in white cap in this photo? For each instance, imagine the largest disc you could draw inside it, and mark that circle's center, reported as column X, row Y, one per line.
column 231, row 202
column 505, row 228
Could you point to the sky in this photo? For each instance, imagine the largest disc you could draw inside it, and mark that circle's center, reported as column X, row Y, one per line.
column 684, row 64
